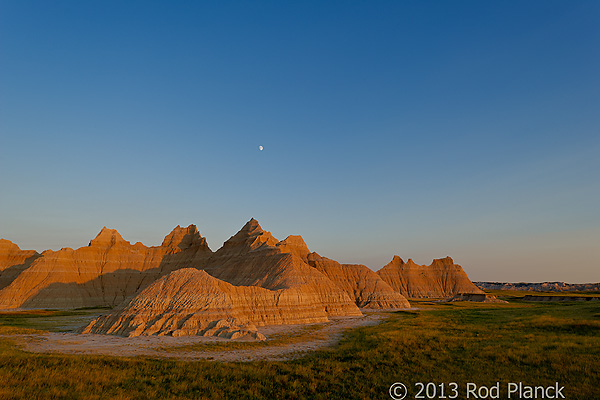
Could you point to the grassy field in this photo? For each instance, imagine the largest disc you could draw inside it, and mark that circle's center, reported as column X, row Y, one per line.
column 533, row 343
column 47, row 320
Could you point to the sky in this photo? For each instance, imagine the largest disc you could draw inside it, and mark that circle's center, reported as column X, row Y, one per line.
column 467, row 129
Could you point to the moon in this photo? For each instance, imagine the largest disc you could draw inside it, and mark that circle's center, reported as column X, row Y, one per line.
column 260, row 148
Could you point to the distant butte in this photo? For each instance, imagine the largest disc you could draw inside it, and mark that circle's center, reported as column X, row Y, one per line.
column 441, row 279
column 182, row 287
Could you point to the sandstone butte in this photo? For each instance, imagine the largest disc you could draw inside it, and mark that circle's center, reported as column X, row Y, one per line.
column 441, row 279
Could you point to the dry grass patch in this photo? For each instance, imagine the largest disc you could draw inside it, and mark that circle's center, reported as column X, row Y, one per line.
column 286, row 337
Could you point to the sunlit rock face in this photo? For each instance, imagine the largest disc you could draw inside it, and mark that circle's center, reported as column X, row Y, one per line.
column 441, row 279
column 13, row 261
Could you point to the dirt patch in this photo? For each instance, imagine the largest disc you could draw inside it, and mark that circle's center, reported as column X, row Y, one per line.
column 284, row 342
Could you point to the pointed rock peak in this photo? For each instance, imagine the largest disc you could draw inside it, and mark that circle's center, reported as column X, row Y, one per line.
column 107, row 238
column 251, row 236
column 184, row 238
column 397, row 260
column 294, row 244
column 251, row 226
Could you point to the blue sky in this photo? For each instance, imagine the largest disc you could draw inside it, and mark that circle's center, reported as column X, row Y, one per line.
column 423, row 129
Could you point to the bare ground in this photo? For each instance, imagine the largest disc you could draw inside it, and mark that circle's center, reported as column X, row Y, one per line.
column 284, row 342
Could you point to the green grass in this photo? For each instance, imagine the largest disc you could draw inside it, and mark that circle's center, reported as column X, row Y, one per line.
column 537, row 344
column 48, row 320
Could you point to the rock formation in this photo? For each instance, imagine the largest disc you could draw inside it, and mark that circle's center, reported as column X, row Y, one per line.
column 540, row 286
column 13, row 261
column 441, row 279
column 182, row 288
column 105, row 273
column 294, row 244
column 253, row 280
column 191, row 302
column 363, row 285
column 253, row 257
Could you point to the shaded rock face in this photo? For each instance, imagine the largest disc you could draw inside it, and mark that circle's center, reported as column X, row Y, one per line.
column 13, row 261
column 441, row 279
column 363, row 285
column 105, row 273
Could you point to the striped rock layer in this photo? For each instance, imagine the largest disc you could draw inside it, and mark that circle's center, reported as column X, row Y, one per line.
column 441, row 279
column 13, row 261
column 105, row 273
column 252, row 281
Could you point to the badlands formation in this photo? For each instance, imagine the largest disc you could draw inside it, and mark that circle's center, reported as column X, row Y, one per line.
column 442, row 278
column 103, row 274
column 183, row 288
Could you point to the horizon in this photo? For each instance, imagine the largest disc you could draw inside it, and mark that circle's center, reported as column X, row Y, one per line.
column 466, row 130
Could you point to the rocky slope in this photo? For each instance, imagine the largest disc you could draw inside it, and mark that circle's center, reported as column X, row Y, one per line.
column 105, row 273
column 253, row 257
column 191, row 302
column 13, row 261
column 363, row 285
column 441, row 279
